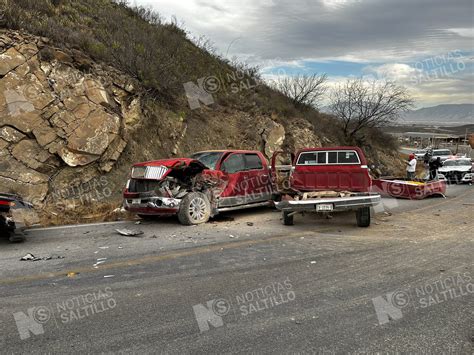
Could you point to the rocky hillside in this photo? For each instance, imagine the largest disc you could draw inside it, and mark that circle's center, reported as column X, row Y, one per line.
column 88, row 87
column 66, row 120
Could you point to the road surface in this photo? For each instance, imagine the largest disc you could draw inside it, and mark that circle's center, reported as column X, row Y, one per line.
column 405, row 284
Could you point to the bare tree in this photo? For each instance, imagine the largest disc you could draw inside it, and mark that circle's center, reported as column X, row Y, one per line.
column 360, row 104
column 302, row 89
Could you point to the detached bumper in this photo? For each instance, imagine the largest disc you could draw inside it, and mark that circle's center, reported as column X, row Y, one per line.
column 338, row 203
column 152, row 205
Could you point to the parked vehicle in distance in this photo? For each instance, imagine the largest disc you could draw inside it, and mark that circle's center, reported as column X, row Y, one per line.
column 420, row 154
column 199, row 187
column 327, row 180
column 456, row 170
column 443, row 154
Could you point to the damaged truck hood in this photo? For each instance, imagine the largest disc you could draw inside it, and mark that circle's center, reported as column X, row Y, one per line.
column 171, row 163
column 159, row 169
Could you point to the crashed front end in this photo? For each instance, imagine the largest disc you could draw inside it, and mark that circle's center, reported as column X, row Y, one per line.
column 157, row 188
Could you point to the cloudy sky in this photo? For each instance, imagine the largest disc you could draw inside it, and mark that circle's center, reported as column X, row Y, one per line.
column 426, row 45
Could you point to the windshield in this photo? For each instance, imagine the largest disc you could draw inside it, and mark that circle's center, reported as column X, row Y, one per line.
column 460, row 162
column 442, row 152
column 209, row 159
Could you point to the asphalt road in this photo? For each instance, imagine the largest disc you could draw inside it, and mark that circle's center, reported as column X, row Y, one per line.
column 405, row 284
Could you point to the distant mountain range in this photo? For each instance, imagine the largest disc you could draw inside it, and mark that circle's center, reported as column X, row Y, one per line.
column 443, row 115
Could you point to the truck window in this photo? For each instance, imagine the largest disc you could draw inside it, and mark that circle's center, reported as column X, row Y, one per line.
column 347, row 158
column 332, row 157
column 321, row 157
column 307, row 158
column 253, row 162
column 209, row 159
column 312, row 158
column 234, row 164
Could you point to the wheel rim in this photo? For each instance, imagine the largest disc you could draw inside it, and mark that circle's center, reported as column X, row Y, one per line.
column 197, row 209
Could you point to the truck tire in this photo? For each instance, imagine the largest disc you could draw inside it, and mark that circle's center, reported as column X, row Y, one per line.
column 7, row 229
column 363, row 217
column 287, row 219
column 194, row 208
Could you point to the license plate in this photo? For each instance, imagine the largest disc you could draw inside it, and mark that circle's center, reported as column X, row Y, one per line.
column 324, row 207
column 136, row 201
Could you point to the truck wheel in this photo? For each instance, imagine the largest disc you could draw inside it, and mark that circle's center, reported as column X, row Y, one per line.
column 287, row 219
column 363, row 217
column 194, row 209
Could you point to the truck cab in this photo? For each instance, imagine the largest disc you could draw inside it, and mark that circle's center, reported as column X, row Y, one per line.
column 326, row 180
column 199, row 187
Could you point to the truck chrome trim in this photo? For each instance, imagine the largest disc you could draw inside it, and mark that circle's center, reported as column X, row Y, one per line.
column 338, row 202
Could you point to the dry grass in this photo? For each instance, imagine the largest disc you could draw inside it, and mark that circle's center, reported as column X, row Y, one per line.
column 76, row 213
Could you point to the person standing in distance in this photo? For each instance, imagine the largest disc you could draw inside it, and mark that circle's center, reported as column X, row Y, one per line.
column 411, row 167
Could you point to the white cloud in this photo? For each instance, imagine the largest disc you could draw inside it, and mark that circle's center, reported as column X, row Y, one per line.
column 463, row 32
column 272, row 33
column 393, row 71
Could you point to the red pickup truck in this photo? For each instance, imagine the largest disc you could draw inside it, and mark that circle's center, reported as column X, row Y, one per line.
column 201, row 186
column 326, row 180
column 209, row 182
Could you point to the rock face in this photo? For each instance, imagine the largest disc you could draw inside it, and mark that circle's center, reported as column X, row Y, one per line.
column 53, row 114
column 300, row 135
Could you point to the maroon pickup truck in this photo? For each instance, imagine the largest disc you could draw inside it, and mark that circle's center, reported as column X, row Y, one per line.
column 199, row 187
column 325, row 180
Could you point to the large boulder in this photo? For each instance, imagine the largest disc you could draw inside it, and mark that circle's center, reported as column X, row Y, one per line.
column 9, row 60
column 273, row 136
column 300, row 134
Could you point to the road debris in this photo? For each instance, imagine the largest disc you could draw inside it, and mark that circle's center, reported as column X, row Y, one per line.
column 72, row 274
column 250, row 224
column 96, row 265
column 108, row 276
column 129, row 232
column 31, row 257
column 313, row 262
